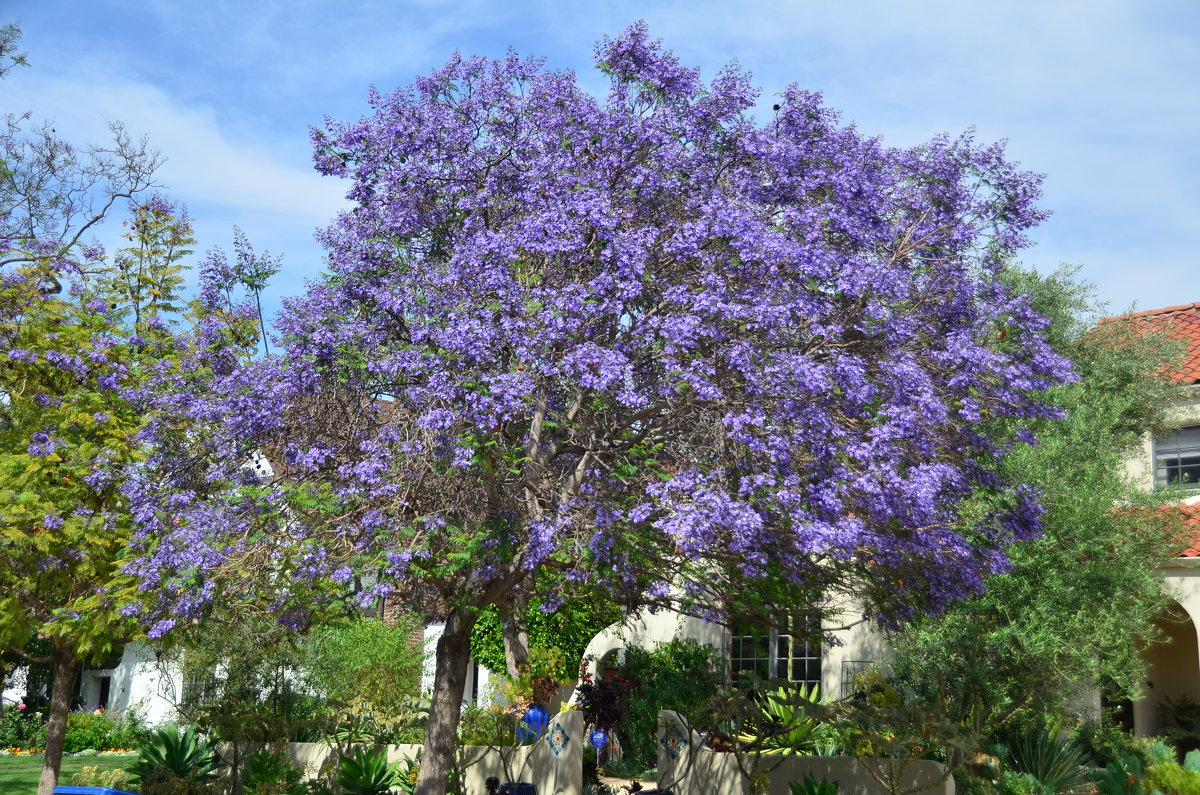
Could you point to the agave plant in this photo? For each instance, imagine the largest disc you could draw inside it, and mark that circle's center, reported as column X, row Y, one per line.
column 270, row 773
column 368, row 772
column 168, row 754
column 784, row 727
column 1057, row 764
column 811, row 786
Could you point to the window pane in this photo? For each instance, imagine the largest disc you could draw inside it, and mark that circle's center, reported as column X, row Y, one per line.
column 1177, row 458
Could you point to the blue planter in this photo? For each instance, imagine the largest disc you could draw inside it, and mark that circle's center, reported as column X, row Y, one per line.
column 68, row 790
column 518, row 788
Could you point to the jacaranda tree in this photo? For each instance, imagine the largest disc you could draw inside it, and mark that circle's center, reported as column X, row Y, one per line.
column 645, row 341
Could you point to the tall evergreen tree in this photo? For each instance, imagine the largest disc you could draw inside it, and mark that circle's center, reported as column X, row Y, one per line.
column 1076, row 604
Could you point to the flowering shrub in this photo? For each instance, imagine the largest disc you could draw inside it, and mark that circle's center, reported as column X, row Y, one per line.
column 21, row 727
column 88, row 730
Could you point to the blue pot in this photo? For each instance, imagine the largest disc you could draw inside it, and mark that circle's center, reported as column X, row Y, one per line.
column 518, row 788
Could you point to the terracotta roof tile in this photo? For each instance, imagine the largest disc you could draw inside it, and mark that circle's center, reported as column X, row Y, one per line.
column 1191, row 522
column 1180, row 322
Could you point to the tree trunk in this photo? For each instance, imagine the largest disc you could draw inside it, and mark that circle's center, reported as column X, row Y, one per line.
column 65, row 668
column 450, row 677
column 514, row 622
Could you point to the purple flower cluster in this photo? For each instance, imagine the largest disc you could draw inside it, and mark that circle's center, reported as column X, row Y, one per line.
column 639, row 333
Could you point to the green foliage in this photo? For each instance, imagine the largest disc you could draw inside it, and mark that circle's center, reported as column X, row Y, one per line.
column 891, row 735
column 366, row 658
column 569, row 627
column 407, row 772
column 681, row 675
column 1057, row 764
column 166, row 755
column 367, row 772
column 10, row 34
column 88, row 730
column 1105, row 743
column 1013, row 782
column 22, row 728
column 1162, row 754
column 240, row 681
column 540, row 678
column 784, row 723
column 1079, row 602
column 101, row 731
column 811, row 786
column 95, row 776
column 360, row 722
column 144, row 280
column 1192, row 761
column 1122, row 776
column 1180, row 723
column 1172, row 779
column 271, row 773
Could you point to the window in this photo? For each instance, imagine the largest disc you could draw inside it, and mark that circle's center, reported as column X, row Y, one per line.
column 1177, row 458
column 791, row 651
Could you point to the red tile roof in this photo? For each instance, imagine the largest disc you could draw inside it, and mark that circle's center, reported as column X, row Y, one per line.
column 1191, row 523
column 1179, row 322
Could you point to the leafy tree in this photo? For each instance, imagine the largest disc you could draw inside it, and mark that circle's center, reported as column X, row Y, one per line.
column 368, row 659
column 643, row 343
column 69, row 414
column 1077, row 603
column 570, row 627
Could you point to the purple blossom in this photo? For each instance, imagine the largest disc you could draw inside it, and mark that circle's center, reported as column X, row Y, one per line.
column 612, row 331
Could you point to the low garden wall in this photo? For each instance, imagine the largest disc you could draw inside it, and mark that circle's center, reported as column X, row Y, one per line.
column 689, row 767
column 554, row 763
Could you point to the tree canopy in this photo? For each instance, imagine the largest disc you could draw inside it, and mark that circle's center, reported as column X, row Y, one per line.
column 644, row 341
column 1077, row 605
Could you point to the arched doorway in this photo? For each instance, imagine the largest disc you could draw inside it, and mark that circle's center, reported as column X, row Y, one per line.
column 1173, row 670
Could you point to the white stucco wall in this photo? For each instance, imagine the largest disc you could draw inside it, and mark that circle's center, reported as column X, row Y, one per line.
column 856, row 642
column 137, row 682
column 479, row 679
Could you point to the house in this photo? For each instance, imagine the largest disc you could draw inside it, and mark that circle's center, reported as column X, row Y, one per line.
column 1173, row 667
column 1172, row 460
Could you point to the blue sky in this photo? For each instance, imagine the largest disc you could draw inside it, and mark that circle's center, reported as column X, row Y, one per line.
column 1102, row 97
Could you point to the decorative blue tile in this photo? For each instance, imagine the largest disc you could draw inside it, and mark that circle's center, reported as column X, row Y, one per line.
column 673, row 740
column 558, row 739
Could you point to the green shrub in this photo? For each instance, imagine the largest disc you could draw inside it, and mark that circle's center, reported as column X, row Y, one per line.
column 785, row 727
column 22, row 728
column 811, row 786
column 1122, row 776
column 88, row 730
column 1056, row 764
column 368, row 772
column 95, row 776
column 366, row 659
column 681, row 675
column 1172, row 779
column 171, row 763
column 1192, row 760
column 271, row 773
column 1013, row 782
column 1105, row 743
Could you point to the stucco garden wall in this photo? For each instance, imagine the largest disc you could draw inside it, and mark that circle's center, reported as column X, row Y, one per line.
column 554, row 763
column 688, row 767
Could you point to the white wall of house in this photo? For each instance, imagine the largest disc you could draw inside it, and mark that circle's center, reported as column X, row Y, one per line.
column 855, row 644
column 479, row 688
column 1184, row 411
column 137, row 682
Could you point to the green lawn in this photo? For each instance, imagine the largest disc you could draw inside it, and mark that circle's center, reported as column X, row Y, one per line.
column 19, row 774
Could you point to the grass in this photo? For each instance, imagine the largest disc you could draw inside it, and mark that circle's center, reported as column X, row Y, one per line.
column 19, row 774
